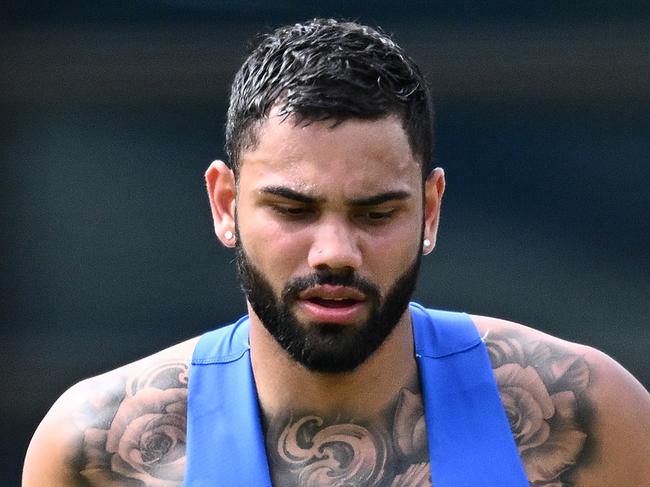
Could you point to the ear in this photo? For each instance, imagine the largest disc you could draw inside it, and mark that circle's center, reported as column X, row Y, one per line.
column 434, row 188
column 222, row 192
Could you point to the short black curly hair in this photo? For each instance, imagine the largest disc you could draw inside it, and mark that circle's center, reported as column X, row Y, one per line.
column 327, row 69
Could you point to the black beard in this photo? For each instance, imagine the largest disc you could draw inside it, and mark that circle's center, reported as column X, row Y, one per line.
column 323, row 347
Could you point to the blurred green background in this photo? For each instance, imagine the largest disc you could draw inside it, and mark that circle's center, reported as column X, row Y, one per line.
column 111, row 111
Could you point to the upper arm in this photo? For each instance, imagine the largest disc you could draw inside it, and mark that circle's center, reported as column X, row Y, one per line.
column 620, row 425
column 577, row 417
column 123, row 428
column 54, row 448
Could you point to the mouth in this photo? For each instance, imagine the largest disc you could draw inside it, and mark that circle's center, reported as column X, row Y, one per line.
column 332, row 304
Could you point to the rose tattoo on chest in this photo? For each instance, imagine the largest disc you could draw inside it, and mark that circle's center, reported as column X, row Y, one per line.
column 542, row 388
column 138, row 438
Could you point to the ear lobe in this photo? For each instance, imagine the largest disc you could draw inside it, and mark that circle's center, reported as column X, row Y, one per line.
column 222, row 192
column 434, row 188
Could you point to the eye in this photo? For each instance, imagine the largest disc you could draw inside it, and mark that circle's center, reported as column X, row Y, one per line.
column 378, row 216
column 295, row 212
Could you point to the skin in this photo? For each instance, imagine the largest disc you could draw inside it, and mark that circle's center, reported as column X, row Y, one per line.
column 594, row 428
column 361, row 160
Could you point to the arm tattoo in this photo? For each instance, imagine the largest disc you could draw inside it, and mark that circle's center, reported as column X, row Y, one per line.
column 311, row 450
column 135, row 435
column 542, row 388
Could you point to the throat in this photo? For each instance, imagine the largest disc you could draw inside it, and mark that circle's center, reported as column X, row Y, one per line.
column 284, row 384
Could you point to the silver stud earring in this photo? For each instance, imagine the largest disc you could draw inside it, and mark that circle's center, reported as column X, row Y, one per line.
column 228, row 235
column 426, row 242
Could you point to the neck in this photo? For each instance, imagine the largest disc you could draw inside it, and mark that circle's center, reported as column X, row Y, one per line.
column 365, row 427
column 286, row 387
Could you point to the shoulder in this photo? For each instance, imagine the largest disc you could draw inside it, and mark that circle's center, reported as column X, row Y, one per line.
column 118, row 428
column 577, row 416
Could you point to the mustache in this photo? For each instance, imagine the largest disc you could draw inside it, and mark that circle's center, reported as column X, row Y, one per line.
column 348, row 279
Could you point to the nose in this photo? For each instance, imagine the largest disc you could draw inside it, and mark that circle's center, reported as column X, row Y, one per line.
column 335, row 246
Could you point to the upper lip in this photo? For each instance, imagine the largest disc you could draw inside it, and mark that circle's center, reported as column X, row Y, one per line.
column 329, row 291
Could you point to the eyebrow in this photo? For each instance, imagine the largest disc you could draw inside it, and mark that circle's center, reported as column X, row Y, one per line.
column 290, row 194
column 381, row 198
column 378, row 199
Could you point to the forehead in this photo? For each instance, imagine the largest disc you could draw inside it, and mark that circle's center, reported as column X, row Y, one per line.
column 353, row 158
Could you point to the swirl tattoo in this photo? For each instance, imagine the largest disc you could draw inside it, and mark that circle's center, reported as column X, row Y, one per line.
column 311, row 451
column 332, row 454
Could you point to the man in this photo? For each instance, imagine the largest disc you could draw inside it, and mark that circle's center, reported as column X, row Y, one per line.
column 333, row 378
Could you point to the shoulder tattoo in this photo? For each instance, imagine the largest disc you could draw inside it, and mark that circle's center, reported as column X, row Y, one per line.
column 134, row 435
column 542, row 387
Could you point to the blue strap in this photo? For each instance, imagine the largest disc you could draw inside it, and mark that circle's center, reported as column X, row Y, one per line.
column 470, row 441
column 225, row 442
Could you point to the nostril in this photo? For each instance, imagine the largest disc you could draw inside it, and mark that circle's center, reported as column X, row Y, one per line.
column 334, row 251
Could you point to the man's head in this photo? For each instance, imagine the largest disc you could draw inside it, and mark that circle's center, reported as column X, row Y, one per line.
column 329, row 134
column 329, row 70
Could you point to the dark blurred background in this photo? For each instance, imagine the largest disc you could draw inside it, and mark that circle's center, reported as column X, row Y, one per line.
column 111, row 111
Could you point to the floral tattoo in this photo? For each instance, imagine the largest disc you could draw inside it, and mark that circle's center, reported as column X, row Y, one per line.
column 312, row 451
column 138, row 438
column 134, row 430
column 542, row 390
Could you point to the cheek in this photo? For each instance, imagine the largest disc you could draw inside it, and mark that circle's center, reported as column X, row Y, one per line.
column 272, row 248
column 389, row 257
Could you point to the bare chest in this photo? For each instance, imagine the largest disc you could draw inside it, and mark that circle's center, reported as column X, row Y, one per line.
column 317, row 451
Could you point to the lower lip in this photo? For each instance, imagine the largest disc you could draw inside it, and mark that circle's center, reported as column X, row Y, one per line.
column 324, row 314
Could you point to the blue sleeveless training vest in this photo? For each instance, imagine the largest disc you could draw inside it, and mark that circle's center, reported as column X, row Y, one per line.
column 470, row 442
